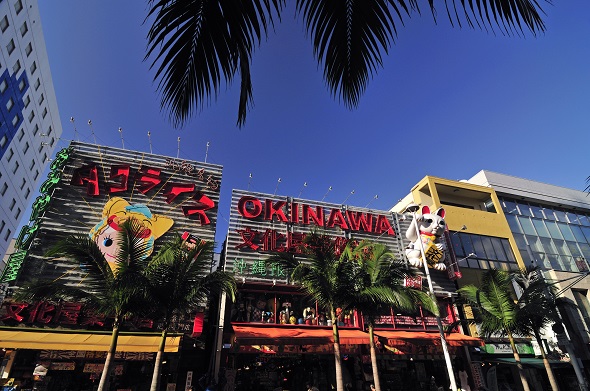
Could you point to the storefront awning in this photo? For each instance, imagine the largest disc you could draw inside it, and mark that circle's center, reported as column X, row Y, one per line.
column 425, row 338
column 529, row 362
column 44, row 339
column 257, row 335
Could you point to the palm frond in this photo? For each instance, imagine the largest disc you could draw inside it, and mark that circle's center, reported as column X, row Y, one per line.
column 47, row 290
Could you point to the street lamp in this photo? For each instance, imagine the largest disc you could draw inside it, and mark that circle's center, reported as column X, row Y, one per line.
column 413, row 208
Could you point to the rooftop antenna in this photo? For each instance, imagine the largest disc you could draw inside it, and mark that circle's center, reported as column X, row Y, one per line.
column 206, row 151
column 75, row 130
column 178, row 152
column 150, row 140
column 277, row 188
column 301, row 191
column 329, row 190
column 347, row 197
column 249, row 180
column 121, row 133
column 374, row 198
column 92, row 131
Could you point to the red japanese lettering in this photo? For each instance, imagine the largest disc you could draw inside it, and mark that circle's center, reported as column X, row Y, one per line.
column 249, row 207
column 270, row 239
column 248, row 236
column 200, row 205
column 44, row 312
column 177, row 189
column 13, row 311
column 68, row 313
column 148, row 178
column 295, row 241
column 87, row 176
column 91, row 318
column 120, row 175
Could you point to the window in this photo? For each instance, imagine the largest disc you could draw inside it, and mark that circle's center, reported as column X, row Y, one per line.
column 33, row 67
column 24, row 29
column 31, row 116
column 35, row 130
column 36, row 175
column 44, row 157
column 37, row 84
column 21, row 134
column 10, row 155
column 2, row 225
column 11, row 46
column 16, row 67
column 24, row 182
column 27, row 193
column 44, row 114
column 3, row 141
column 52, row 141
column 4, row 23
column 40, row 147
column 9, row 104
column 33, row 164
column 12, row 204
column 17, row 214
column 3, row 86
column 29, row 49
column 41, row 99
column 26, row 101
column 49, row 131
column 4, row 188
column 22, row 85
column 26, row 148
column 16, row 166
column 7, row 236
column 15, row 120
column 18, row 6
column 583, row 305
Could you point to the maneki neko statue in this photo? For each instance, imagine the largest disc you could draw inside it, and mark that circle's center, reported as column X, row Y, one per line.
column 431, row 227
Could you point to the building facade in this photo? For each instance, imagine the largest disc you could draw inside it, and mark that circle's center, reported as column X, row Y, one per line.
column 30, row 124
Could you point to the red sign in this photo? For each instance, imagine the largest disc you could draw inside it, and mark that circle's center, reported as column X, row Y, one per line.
column 413, row 282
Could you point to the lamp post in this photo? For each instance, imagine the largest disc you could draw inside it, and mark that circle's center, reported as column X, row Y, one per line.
column 413, row 208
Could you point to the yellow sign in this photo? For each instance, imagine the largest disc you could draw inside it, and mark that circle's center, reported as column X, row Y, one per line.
column 433, row 254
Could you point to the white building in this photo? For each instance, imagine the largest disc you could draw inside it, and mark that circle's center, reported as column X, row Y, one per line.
column 29, row 119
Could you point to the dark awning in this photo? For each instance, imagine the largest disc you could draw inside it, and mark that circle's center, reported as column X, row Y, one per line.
column 426, row 338
column 259, row 335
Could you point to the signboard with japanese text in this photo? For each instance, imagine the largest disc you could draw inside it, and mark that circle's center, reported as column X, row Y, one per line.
column 262, row 224
column 96, row 188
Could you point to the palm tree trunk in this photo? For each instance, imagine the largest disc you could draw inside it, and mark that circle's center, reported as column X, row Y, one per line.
column 158, row 364
column 337, row 356
column 550, row 374
column 525, row 384
column 104, row 379
column 376, row 381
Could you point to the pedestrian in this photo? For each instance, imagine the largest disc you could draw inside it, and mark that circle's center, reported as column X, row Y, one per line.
column 311, row 387
column 372, row 387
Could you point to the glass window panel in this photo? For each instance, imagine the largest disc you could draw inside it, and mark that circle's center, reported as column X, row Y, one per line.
column 566, row 231
column 578, row 233
column 584, row 219
column 508, row 250
column 487, row 245
column 510, row 207
column 457, row 245
column 553, row 230
column 548, row 246
column 467, row 245
column 504, row 266
column 585, row 250
column 499, row 250
column 586, row 231
column 513, row 223
column 483, row 264
column 562, row 247
column 526, row 258
column 524, row 209
column 478, row 246
column 520, row 242
column 537, row 211
column 568, row 263
column 560, row 215
column 556, row 262
column 541, row 228
column 548, row 213
column 573, row 247
column 527, row 225
column 535, row 243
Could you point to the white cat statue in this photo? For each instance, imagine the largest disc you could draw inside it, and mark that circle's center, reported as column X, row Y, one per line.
column 431, row 227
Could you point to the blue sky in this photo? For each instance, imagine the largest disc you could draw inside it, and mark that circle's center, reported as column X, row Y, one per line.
column 448, row 102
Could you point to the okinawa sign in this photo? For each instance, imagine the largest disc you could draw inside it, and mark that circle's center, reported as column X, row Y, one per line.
column 261, row 224
column 94, row 189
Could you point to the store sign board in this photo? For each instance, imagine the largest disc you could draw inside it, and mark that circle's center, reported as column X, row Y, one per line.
column 504, row 348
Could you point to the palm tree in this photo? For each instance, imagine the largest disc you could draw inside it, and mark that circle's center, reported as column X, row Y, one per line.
column 537, row 308
column 379, row 278
column 325, row 277
column 497, row 309
column 195, row 45
column 119, row 292
column 180, row 280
